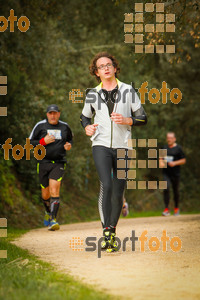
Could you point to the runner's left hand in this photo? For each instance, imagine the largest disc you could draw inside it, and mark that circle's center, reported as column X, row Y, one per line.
column 118, row 118
column 67, row 146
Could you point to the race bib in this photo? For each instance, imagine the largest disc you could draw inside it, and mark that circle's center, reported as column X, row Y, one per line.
column 55, row 132
column 169, row 158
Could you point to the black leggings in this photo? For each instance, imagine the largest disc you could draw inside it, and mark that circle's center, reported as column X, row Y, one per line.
column 175, row 186
column 111, row 188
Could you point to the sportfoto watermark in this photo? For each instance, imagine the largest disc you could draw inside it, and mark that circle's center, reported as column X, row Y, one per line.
column 153, row 243
column 154, row 95
column 3, row 233
column 3, row 92
column 127, row 163
column 136, row 29
column 23, row 22
column 18, row 150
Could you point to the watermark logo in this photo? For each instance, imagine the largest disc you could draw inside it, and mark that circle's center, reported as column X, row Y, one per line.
column 76, row 244
column 164, row 91
column 127, row 163
column 134, row 27
column 154, row 95
column 3, row 92
column 3, row 233
column 75, row 93
column 23, row 22
column 18, row 150
column 152, row 244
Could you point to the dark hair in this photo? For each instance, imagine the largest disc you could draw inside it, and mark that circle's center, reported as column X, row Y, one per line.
column 93, row 66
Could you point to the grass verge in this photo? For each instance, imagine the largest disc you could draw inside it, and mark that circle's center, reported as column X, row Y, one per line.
column 23, row 276
column 144, row 214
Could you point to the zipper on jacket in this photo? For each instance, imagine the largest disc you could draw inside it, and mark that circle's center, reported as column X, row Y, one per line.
column 111, row 125
column 111, row 133
column 114, row 109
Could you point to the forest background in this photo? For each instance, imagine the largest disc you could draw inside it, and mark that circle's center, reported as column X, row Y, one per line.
column 51, row 58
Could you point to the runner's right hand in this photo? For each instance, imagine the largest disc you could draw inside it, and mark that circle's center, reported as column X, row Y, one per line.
column 90, row 129
column 49, row 139
column 162, row 163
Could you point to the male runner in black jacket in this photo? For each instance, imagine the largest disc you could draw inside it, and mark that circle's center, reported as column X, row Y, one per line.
column 56, row 137
column 174, row 159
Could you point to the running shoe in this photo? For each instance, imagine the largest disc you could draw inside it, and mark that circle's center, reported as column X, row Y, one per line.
column 166, row 212
column 47, row 218
column 113, row 245
column 106, row 242
column 176, row 211
column 53, row 225
column 125, row 211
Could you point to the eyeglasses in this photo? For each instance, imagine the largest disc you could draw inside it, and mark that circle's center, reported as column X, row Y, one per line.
column 102, row 67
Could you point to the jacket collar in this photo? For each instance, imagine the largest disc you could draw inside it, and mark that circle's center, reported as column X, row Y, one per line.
column 99, row 87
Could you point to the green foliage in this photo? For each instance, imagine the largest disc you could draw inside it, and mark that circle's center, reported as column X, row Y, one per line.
column 9, row 192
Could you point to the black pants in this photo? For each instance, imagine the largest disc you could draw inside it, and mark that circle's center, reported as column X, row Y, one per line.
column 111, row 188
column 174, row 181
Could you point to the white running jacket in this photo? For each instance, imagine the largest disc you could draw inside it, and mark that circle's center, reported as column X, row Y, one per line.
column 108, row 133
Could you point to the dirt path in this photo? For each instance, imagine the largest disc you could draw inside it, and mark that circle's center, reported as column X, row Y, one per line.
column 130, row 274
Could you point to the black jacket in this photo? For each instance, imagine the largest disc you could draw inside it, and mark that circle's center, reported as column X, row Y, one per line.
column 54, row 151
